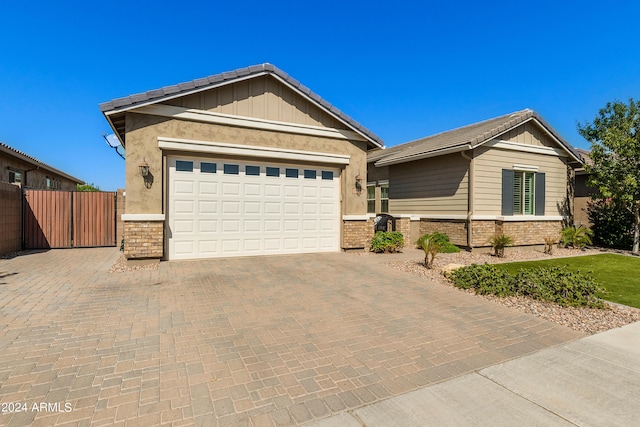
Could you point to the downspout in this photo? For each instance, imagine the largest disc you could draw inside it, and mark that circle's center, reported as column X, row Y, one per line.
column 469, row 199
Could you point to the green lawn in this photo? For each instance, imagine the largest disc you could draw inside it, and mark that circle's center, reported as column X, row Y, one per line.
column 618, row 274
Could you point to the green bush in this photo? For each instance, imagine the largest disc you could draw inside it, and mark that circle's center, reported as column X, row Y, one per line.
column 559, row 285
column 576, row 237
column 387, row 241
column 486, row 279
column 612, row 224
column 553, row 284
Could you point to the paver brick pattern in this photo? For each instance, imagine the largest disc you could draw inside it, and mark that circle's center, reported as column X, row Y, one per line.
column 262, row 341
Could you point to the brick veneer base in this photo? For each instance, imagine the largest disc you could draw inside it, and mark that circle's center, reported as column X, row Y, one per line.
column 523, row 233
column 357, row 234
column 143, row 239
column 455, row 229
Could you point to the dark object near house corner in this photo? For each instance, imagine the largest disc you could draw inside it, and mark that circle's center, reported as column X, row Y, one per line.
column 381, row 223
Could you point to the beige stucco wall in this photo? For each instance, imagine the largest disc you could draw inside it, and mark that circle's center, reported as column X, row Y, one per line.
column 142, row 143
column 489, row 162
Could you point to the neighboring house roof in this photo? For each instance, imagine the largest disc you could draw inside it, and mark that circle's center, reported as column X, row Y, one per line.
column 120, row 105
column 464, row 138
column 586, row 160
column 32, row 160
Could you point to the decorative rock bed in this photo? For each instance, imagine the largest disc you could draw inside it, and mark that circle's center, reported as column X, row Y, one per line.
column 587, row 320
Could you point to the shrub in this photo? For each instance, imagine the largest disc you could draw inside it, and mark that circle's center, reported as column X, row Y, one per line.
column 499, row 242
column 576, row 237
column 612, row 224
column 561, row 286
column 486, row 279
column 433, row 244
column 387, row 241
column 554, row 284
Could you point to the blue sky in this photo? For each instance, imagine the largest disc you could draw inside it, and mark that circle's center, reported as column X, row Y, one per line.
column 405, row 70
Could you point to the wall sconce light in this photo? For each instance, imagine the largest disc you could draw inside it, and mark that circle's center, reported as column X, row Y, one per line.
column 144, row 168
column 358, row 188
column 146, row 175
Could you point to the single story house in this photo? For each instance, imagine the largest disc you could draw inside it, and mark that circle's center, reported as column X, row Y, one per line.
column 25, row 171
column 509, row 174
column 247, row 162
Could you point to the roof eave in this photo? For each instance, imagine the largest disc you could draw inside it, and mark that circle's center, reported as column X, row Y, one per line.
column 424, row 155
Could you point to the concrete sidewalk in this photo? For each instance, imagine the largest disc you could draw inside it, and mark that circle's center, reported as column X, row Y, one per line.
column 592, row 381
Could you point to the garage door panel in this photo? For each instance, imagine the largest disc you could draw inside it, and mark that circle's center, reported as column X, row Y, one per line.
column 208, row 247
column 208, row 188
column 273, row 208
column 252, row 207
column 272, row 190
column 207, row 226
column 184, row 206
column 292, row 208
column 217, row 211
column 230, row 225
column 231, row 207
column 183, row 226
column 184, row 187
column 252, row 246
column 207, row 207
column 273, row 226
column 230, row 188
column 252, row 190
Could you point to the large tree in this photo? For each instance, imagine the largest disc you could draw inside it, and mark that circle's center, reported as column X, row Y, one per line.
column 615, row 150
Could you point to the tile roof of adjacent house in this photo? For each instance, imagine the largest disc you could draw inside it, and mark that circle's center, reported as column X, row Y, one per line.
column 174, row 91
column 463, row 138
column 29, row 159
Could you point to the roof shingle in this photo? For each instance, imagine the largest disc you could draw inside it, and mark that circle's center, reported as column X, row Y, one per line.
column 157, row 95
column 463, row 138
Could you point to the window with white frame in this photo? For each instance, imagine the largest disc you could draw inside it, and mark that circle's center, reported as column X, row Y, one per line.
column 384, row 198
column 371, row 198
column 524, row 188
column 523, row 192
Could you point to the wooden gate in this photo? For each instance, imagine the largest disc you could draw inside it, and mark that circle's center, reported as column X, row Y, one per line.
column 65, row 219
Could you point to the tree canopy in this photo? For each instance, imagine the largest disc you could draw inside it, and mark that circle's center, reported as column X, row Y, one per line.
column 615, row 151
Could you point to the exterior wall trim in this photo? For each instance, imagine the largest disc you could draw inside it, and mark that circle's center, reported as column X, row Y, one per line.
column 211, row 147
column 246, row 122
column 515, row 218
column 357, row 217
column 143, row 217
column 506, row 145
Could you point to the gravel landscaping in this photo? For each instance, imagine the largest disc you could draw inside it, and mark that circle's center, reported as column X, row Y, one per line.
column 586, row 320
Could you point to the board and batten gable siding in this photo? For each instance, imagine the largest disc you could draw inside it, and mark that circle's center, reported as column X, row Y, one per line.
column 489, row 163
column 434, row 186
column 529, row 133
column 261, row 97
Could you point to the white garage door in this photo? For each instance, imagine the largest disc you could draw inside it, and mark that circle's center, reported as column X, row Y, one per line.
column 222, row 208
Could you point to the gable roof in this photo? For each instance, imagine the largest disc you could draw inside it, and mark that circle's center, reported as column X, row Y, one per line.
column 32, row 160
column 465, row 138
column 114, row 110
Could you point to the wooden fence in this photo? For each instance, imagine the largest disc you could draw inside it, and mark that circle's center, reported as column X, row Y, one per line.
column 64, row 219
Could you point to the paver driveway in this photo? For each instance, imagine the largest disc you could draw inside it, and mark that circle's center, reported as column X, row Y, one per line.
column 248, row 341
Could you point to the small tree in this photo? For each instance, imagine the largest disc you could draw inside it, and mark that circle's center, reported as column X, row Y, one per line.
column 499, row 242
column 615, row 151
column 432, row 245
column 87, row 187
